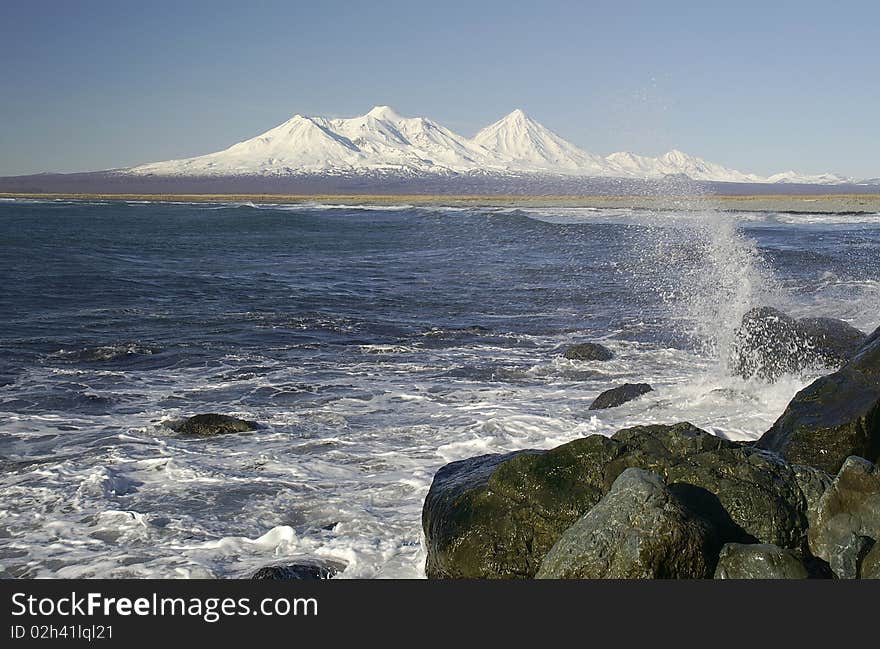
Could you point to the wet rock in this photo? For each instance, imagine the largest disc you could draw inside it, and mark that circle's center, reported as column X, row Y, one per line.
column 813, row 483
column 833, row 341
column 307, row 570
column 758, row 561
column 835, row 417
column 750, row 496
column 766, row 344
column 620, row 395
column 770, row 343
column 588, row 352
column 497, row 516
column 871, row 564
column 212, row 424
column 848, row 517
column 637, row 531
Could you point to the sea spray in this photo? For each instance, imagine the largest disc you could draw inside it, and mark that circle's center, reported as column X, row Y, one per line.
column 707, row 274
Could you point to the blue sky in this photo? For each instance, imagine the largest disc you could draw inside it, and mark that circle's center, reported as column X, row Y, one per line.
column 759, row 86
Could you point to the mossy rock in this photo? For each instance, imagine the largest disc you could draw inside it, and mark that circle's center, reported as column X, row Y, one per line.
column 588, row 352
column 497, row 516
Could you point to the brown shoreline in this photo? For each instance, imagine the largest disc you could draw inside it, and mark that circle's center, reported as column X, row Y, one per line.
column 823, row 203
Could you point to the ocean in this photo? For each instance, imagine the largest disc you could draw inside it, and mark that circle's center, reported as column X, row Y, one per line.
column 374, row 344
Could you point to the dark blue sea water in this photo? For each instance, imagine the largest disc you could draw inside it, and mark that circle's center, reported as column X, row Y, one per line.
column 374, row 344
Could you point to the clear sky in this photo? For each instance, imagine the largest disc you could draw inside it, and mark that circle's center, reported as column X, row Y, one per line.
column 758, row 86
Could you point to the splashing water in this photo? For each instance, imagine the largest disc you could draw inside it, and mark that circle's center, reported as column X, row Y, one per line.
column 708, row 275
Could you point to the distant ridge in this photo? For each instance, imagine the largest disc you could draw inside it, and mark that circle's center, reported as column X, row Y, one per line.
column 382, row 144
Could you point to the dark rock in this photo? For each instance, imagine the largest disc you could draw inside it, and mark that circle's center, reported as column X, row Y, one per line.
column 871, row 564
column 212, row 424
column 312, row 569
column 766, row 344
column 620, row 395
column 758, row 561
column 770, row 343
column 833, row 341
column 637, row 531
column 748, row 496
column 848, row 512
column 588, row 352
column 813, row 484
column 817, row 568
column 835, row 417
column 497, row 516
column 849, row 553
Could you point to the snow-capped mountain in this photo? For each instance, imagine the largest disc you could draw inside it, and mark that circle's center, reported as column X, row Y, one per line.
column 677, row 163
column 382, row 141
column 520, row 143
column 808, row 179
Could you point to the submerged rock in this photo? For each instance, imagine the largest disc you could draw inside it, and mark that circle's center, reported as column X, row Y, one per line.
column 620, row 395
column 588, row 352
column 758, row 561
column 212, row 424
column 307, row 570
column 770, row 343
column 836, row 416
column 847, row 520
column 637, row 531
column 497, row 516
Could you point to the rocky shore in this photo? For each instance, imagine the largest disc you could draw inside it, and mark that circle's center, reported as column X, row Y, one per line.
column 672, row 501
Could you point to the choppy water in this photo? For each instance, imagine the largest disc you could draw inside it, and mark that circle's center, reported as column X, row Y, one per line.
column 375, row 344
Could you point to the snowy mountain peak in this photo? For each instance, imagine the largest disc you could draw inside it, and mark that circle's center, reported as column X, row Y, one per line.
column 524, row 143
column 677, row 157
column 384, row 141
column 385, row 113
column 517, row 115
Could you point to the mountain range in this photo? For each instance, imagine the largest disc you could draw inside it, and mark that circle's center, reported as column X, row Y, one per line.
column 382, row 142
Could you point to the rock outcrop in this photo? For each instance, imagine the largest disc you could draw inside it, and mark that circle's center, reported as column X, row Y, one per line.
column 497, row 516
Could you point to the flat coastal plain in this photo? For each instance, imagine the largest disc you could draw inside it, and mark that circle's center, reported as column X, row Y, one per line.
column 823, row 203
